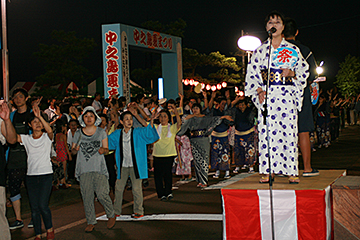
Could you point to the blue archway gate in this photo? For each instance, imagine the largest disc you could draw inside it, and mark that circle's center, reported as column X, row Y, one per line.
column 116, row 41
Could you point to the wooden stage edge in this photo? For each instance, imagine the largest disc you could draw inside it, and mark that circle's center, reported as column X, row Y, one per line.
column 326, row 178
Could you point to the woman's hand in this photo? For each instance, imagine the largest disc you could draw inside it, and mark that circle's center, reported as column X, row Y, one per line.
column 103, row 150
column 4, row 111
column 204, row 94
column 261, row 94
column 287, row 73
column 75, row 149
column 171, row 107
column 36, row 111
column 227, row 94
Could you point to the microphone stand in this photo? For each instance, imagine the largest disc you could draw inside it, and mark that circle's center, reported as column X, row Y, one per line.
column 265, row 115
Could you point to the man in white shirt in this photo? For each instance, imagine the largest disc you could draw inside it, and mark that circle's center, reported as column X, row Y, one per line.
column 96, row 103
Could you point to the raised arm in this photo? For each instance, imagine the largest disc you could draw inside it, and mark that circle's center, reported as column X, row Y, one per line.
column 7, row 129
column 46, row 125
column 211, row 103
column 145, row 116
column 154, row 116
column 181, row 104
column 206, row 103
column 236, row 100
column 178, row 120
column 227, row 95
column 134, row 112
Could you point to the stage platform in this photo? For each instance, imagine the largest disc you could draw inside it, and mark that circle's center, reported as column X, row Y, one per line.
column 326, row 178
column 301, row 211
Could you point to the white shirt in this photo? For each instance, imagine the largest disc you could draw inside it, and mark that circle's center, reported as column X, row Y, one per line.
column 38, row 154
column 70, row 137
column 50, row 112
column 127, row 156
column 97, row 105
column 2, row 138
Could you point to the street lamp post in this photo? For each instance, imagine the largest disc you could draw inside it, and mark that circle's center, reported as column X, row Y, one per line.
column 249, row 44
column 4, row 52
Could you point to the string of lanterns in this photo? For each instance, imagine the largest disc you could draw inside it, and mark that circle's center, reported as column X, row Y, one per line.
column 209, row 87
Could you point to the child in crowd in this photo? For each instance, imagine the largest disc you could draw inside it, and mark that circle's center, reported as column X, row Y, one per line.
column 62, row 150
column 73, row 127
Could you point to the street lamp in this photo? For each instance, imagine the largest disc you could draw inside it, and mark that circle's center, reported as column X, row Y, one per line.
column 249, row 44
column 319, row 69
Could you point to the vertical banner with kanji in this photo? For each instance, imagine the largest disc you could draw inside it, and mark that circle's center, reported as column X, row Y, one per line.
column 112, row 62
column 125, row 66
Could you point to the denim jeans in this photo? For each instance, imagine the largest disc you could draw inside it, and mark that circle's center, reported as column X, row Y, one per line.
column 39, row 190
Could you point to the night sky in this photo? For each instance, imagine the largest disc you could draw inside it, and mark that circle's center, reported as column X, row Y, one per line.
column 329, row 28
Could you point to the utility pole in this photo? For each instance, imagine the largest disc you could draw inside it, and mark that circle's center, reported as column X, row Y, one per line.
column 4, row 52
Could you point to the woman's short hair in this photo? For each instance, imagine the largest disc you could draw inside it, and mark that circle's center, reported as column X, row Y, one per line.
column 122, row 116
column 197, row 105
column 274, row 14
column 167, row 113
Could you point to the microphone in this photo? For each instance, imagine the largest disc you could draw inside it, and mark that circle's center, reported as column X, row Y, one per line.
column 272, row 30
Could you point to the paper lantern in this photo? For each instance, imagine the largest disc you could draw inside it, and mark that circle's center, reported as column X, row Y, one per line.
column 186, row 82
column 213, row 88
column 218, row 86
column 224, row 84
column 208, row 87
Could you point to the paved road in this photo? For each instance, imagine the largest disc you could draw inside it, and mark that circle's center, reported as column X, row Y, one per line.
column 69, row 218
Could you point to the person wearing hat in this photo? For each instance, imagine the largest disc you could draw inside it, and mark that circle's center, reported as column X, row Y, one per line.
column 91, row 143
column 162, row 104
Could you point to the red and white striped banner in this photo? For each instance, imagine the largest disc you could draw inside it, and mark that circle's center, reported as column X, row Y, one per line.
column 298, row 214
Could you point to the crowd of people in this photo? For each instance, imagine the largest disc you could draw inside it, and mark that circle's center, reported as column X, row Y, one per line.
column 103, row 144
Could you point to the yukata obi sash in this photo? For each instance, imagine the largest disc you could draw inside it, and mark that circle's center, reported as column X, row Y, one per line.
column 275, row 77
column 197, row 133
column 282, row 57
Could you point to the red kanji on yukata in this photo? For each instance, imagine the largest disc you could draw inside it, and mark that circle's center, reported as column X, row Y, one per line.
column 284, row 56
column 110, row 37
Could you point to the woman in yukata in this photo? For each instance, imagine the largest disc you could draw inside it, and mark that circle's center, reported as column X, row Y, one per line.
column 200, row 127
column 288, row 74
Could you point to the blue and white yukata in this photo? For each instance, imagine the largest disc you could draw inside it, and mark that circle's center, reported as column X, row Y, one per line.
column 220, row 145
column 284, row 99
